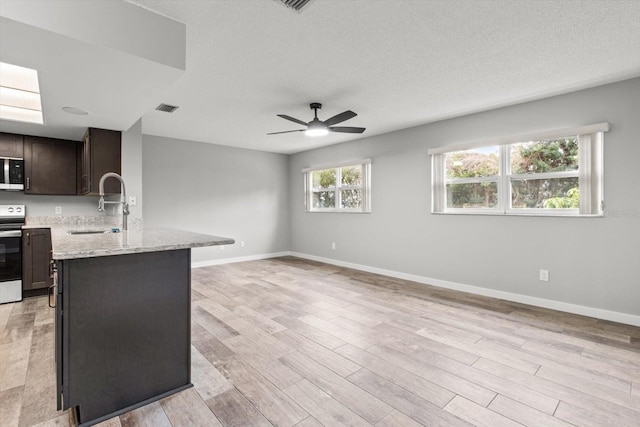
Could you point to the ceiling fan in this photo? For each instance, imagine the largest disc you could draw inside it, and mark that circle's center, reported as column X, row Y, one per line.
column 318, row 127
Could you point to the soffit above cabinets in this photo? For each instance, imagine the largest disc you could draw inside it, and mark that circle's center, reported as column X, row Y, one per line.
column 111, row 59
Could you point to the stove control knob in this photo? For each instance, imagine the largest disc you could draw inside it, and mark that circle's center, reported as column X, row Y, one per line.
column 10, row 209
column 18, row 209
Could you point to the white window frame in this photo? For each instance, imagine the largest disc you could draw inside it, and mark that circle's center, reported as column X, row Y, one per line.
column 589, row 174
column 365, row 188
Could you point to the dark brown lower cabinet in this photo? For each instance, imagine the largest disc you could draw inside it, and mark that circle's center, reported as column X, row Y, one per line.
column 36, row 259
column 122, row 332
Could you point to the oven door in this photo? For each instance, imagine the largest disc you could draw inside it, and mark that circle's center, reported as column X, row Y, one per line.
column 10, row 266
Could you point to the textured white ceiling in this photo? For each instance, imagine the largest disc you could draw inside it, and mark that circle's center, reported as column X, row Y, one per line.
column 397, row 63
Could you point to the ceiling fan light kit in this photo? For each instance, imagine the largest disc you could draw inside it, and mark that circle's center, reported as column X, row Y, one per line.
column 317, row 127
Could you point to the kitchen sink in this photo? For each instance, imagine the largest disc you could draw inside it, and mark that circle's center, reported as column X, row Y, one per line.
column 89, row 231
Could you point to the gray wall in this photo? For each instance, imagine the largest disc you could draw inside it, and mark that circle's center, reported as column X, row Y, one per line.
column 593, row 262
column 224, row 191
column 132, row 167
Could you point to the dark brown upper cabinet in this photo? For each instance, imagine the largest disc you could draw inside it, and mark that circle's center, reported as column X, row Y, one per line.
column 101, row 153
column 11, row 145
column 36, row 259
column 50, row 166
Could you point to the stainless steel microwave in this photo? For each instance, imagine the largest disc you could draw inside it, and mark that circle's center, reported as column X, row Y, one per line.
column 12, row 174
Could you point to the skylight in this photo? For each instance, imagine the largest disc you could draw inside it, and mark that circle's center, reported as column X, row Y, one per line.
column 20, row 94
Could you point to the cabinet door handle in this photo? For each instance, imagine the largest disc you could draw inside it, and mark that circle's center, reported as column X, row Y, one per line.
column 28, row 239
column 28, row 183
column 52, row 296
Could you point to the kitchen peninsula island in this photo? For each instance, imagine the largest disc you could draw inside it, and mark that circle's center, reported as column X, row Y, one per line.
column 123, row 317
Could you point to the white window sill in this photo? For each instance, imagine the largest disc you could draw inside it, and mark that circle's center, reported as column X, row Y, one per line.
column 527, row 214
column 338, row 211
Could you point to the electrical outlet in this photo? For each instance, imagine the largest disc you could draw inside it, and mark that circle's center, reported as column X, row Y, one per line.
column 242, row 243
column 58, row 210
column 133, row 200
column 544, row 275
column 333, row 245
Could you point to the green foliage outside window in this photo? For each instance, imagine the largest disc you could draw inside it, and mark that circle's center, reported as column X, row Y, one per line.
column 326, row 180
column 529, row 158
column 555, row 155
column 351, row 175
column 472, row 164
column 571, row 201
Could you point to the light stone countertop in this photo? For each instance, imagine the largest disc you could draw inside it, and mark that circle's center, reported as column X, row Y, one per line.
column 71, row 246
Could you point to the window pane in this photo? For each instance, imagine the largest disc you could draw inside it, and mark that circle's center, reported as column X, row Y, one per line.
column 351, row 198
column 473, row 163
column 324, row 178
column 559, row 193
column 549, row 155
column 479, row 195
column 339, row 188
column 324, row 199
column 351, row 175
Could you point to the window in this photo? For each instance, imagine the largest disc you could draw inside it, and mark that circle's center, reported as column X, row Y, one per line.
column 554, row 173
column 472, row 178
column 544, row 174
column 338, row 188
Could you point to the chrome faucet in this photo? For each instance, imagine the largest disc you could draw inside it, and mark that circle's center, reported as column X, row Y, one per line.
column 123, row 197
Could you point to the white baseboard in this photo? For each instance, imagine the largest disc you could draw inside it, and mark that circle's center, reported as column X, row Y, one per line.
column 598, row 313
column 237, row 259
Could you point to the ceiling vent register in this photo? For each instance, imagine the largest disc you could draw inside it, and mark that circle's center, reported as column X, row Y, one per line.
column 296, row 5
column 167, row 108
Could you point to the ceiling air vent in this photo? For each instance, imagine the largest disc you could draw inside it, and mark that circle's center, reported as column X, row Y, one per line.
column 167, row 108
column 296, row 5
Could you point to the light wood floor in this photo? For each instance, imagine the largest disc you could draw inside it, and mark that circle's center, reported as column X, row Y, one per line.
column 291, row 342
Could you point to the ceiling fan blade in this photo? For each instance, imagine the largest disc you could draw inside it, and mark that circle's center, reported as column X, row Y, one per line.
column 340, row 118
column 300, row 122
column 286, row 131
column 346, row 129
